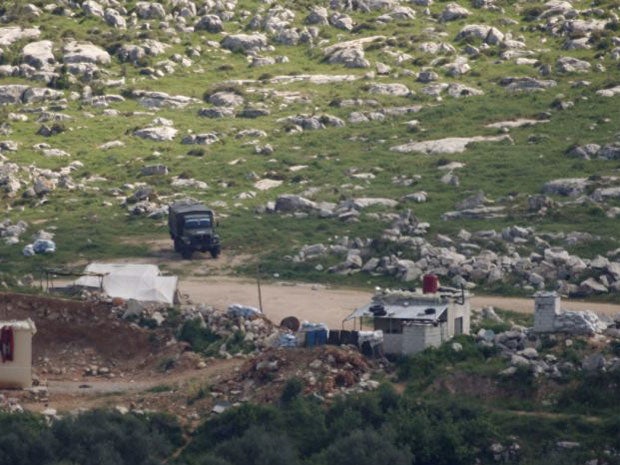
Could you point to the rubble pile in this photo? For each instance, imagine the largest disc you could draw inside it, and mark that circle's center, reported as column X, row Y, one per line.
column 325, row 373
column 521, row 347
column 10, row 404
column 257, row 331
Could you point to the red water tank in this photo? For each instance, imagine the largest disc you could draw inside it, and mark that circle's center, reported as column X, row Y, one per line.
column 430, row 284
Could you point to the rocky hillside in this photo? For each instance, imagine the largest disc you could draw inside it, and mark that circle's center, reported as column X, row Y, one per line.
column 477, row 140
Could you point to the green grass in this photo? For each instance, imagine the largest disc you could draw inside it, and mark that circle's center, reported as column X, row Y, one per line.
column 507, row 172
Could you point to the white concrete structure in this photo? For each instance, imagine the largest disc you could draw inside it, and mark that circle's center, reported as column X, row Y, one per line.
column 413, row 321
column 549, row 317
column 16, row 368
column 546, row 310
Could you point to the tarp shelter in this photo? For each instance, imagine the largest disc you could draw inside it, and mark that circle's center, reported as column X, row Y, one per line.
column 130, row 281
column 16, row 353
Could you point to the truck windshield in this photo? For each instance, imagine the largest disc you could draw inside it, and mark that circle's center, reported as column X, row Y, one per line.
column 196, row 223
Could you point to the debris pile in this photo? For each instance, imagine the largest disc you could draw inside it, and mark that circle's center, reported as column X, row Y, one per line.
column 522, row 347
column 324, row 372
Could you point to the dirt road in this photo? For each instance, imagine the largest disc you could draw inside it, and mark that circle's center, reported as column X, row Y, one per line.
column 319, row 303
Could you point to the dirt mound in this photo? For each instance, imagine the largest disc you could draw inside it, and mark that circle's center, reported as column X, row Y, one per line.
column 325, row 372
column 78, row 336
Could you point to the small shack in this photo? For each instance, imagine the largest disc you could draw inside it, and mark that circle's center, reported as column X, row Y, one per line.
column 16, row 353
column 411, row 321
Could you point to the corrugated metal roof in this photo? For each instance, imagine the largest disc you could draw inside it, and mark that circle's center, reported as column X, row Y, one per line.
column 402, row 312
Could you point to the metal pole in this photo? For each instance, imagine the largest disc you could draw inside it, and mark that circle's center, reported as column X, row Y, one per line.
column 260, row 297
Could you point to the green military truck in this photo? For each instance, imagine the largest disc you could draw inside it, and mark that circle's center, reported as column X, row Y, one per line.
column 192, row 228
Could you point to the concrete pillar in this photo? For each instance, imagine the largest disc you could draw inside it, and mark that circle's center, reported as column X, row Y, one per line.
column 546, row 309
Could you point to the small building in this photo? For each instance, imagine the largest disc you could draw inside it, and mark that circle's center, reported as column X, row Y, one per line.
column 16, row 353
column 412, row 321
column 549, row 317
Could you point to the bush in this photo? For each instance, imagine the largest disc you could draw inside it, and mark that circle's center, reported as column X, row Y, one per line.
column 199, row 338
column 93, row 438
column 258, row 446
column 292, row 389
column 366, row 447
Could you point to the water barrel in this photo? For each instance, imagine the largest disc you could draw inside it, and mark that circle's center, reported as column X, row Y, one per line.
column 430, row 284
column 334, row 337
column 290, row 322
column 321, row 337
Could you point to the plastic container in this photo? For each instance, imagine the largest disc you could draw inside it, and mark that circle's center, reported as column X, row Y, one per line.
column 430, row 284
column 17, row 373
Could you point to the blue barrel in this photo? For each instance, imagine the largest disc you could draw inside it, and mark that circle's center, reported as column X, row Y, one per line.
column 310, row 338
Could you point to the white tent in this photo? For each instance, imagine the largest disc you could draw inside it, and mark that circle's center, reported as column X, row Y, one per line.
column 130, row 281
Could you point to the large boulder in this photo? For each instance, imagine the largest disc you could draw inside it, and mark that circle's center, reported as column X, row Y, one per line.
column 92, row 8
column 162, row 100
column 349, row 57
column 41, row 94
column 9, row 35
column 318, row 15
column 39, row 54
column 609, row 151
column 606, row 193
column 12, row 93
column 572, row 65
column 209, row 23
column 244, row 42
column 114, row 19
column 592, row 286
column 157, row 133
column 527, row 84
column 394, row 89
column 226, row 99
column 454, row 11
column 150, row 10
column 586, row 151
column 571, row 187
column 85, row 52
column 341, row 21
column 288, row 203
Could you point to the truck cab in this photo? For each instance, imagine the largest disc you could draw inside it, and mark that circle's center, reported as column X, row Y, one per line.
column 192, row 228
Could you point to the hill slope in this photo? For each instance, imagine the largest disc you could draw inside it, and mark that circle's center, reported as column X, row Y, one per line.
column 475, row 140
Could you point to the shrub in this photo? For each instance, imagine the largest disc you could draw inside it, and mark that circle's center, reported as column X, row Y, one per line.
column 292, row 389
column 257, row 446
column 367, row 447
column 199, row 338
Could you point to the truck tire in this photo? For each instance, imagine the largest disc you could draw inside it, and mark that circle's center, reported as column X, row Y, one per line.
column 215, row 252
column 186, row 253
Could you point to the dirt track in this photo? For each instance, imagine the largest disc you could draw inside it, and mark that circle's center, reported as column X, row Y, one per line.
column 319, row 303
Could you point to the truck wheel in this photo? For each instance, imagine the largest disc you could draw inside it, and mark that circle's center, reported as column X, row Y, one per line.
column 215, row 252
column 178, row 246
column 186, row 253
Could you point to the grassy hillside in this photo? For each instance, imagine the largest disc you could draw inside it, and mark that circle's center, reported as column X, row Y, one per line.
column 91, row 222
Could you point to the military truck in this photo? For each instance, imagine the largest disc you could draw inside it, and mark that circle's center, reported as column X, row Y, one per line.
column 192, row 228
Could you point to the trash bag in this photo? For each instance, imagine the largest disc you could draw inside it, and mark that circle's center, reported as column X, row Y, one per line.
column 44, row 246
column 287, row 340
column 28, row 251
column 244, row 311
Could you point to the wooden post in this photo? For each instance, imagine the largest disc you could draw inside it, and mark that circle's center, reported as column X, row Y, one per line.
column 260, row 297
